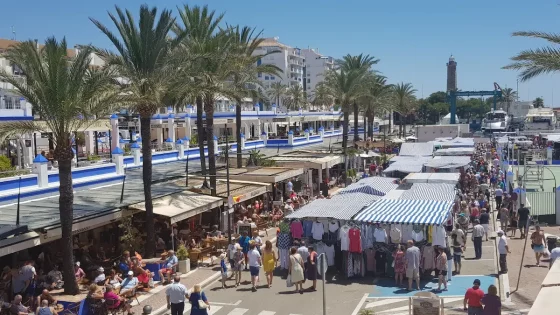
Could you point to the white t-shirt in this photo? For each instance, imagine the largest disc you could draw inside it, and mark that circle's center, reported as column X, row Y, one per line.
column 380, row 235
column 333, row 226
column 438, row 236
column 499, row 192
column 329, row 251
column 395, row 235
column 317, row 230
column 343, row 237
column 502, row 245
column 99, row 278
column 254, row 256
column 290, row 186
column 231, row 251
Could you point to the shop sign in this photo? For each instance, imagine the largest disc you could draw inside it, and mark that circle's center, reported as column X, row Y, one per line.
column 229, row 121
column 426, row 306
column 278, row 119
column 156, row 126
column 180, row 125
column 246, row 227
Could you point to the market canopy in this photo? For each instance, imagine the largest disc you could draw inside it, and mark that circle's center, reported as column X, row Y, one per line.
column 422, row 191
column 416, row 149
column 448, row 162
column 183, row 205
column 391, row 211
column 454, row 151
column 339, row 207
column 378, row 186
column 448, row 178
column 408, row 164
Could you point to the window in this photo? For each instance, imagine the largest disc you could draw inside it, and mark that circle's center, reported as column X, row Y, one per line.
column 259, row 62
column 17, row 103
column 259, row 74
column 272, row 78
column 8, row 102
column 266, row 77
column 308, row 74
column 309, row 87
column 308, row 80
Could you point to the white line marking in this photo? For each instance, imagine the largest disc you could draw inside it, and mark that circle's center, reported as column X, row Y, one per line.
column 267, row 313
column 384, row 302
column 359, row 306
column 475, row 260
column 233, row 304
column 237, row 311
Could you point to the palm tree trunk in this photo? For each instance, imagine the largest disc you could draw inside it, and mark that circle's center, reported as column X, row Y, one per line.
column 345, row 122
column 356, row 133
column 390, row 121
column 371, row 117
column 145, row 131
column 238, row 132
column 200, row 134
column 365, row 126
column 66, row 201
column 209, row 110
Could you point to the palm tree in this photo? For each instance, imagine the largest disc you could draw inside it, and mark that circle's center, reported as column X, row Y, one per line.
column 143, row 55
column 534, row 62
column 508, row 97
column 276, row 92
column 404, row 102
column 70, row 95
column 295, row 98
column 375, row 99
column 538, row 102
column 321, row 95
column 245, row 72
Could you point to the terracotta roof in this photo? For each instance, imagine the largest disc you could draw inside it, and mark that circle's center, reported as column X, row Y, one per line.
column 273, row 42
column 7, row 43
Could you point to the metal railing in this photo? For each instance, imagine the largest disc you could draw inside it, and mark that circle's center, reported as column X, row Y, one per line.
column 542, row 202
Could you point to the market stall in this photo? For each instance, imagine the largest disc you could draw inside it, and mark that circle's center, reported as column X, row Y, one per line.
column 375, row 185
column 448, row 178
column 447, row 164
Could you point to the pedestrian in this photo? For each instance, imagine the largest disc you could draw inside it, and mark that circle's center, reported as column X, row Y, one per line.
column 199, row 301
column 239, row 262
column 485, row 221
column 473, row 296
column 223, row 269
column 295, row 269
column 255, row 263
column 400, row 268
column 504, row 219
column 176, row 294
column 503, row 249
column 554, row 254
column 230, row 253
column 460, row 234
column 269, row 262
column 499, row 193
column 412, row 259
column 303, row 251
column 523, row 214
column 441, row 266
column 243, row 241
column 477, row 233
column 491, row 301
column 311, row 269
column 538, row 244
column 457, row 253
column 514, row 225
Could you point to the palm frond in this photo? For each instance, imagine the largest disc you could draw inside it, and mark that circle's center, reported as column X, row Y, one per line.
column 10, row 129
column 551, row 37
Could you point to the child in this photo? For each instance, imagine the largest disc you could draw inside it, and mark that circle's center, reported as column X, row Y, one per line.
column 223, row 269
column 400, row 268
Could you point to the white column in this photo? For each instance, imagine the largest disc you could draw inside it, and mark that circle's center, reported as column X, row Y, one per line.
column 332, row 127
column 321, row 131
column 114, row 131
column 90, row 142
column 188, row 125
column 256, row 107
column 135, row 147
column 171, row 127
column 549, row 156
column 320, row 178
column 290, row 138
column 242, row 141
column 159, row 134
column 215, row 145
column 181, row 148
column 118, row 159
column 186, row 142
column 40, row 168
column 258, row 129
column 264, row 137
column 122, row 143
column 275, row 128
column 169, row 144
column 306, row 131
column 274, row 108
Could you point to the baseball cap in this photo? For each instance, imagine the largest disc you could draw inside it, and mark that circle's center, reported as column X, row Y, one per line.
column 131, row 273
column 500, row 232
column 77, row 264
column 476, row 282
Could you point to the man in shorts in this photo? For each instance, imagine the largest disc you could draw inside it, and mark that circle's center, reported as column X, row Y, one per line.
column 170, row 263
column 412, row 258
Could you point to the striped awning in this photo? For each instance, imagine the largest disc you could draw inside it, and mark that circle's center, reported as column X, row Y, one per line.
column 438, row 192
column 391, row 211
column 375, row 185
column 340, row 207
column 408, row 164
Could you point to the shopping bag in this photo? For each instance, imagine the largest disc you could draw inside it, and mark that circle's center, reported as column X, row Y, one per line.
column 546, row 253
column 289, row 281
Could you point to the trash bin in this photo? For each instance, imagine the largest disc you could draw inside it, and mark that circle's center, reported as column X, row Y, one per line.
column 551, row 241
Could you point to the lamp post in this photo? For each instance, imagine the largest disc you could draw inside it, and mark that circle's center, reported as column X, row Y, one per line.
column 227, row 185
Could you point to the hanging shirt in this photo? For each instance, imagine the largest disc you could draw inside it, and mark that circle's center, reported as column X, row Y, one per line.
column 333, row 226
column 307, row 226
column 284, row 227
column 370, row 259
column 406, row 232
column 438, row 236
column 343, row 237
column 317, row 230
column 395, row 234
column 355, row 240
column 284, row 241
column 297, row 229
column 417, row 236
column 380, row 235
column 329, row 251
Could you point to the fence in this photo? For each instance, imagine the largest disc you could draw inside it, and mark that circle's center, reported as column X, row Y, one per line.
column 542, row 202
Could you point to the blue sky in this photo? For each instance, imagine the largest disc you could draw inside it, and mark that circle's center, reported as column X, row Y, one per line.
column 413, row 39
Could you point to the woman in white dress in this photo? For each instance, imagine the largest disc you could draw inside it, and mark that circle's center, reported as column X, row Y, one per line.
column 296, row 269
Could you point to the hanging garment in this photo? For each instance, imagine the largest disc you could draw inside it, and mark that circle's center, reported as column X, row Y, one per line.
column 380, row 258
column 429, row 234
column 380, row 235
column 284, row 227
column 438, row 236
column 417, row 236
column 367, row 236
column 317, row 230
column 333, row 226
column 428, row 261
column 355, row 240
column 329, row 251
column 343, row 237
column 395, row 234
column 370, row 259
column 406, row 232
column 283, row 256
column 296, row 228
column 307, row 226
column 283, row 241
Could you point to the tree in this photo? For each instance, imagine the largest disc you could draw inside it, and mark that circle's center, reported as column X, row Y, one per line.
column 245, row 72
column 375, row 98
column 70, row 95
column 437, row 97
column 321, row 95
column 295, row 97
column 534, row 62
column 508, row 97
column 143, row 59
column 404, row 102
column 276, row 92
column 538, row 102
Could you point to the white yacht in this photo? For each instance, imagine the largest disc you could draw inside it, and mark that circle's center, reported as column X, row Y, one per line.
column 495, row 121
column 540, row 119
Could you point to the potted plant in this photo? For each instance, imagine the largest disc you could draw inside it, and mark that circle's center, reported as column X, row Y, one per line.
column 184, row 264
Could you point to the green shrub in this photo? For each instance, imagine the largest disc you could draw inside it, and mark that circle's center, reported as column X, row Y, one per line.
column 182, row 252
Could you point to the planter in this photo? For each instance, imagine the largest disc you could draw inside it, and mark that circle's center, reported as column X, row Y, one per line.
column 184, row 266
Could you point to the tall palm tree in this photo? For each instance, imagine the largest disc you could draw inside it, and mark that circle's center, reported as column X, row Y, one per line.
column 244, row 61
column 143, row 55
column 375, row 100
column 295, row 97
column 534, row 62
column 70, row 95
column 321, row 95
column 404, row 102
column 198, row 26
column 538, row 102
column 508, row 97
column 276, row 92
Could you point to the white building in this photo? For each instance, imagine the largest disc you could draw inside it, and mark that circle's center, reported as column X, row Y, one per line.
column 316, row 65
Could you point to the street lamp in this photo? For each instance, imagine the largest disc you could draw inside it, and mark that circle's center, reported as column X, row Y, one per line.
column 229, row 210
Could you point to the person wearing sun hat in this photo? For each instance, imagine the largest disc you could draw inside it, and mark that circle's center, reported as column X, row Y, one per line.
column 129, row 284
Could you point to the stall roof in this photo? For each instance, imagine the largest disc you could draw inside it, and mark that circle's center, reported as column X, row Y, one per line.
column 240, row 190
column 263, row 174
column 416, row 149
column 339, row 207
column 448, row 178
column 456, row 142
column 309, row 159
column 448, row 162
column 401, row 211
column 454, row 151
column 182, row 205
column 378, row 186
column 422, row 191
column 408, row 164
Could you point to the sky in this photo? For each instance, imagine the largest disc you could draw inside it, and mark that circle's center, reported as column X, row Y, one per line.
column 412, row 39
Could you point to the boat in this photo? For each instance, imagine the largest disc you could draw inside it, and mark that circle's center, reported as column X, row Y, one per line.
column 539, row 120
column 495, row 121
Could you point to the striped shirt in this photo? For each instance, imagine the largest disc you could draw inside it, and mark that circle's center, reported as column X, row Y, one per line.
column 478, row 231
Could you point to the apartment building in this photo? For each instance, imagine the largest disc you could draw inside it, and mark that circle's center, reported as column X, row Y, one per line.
column 289, row 59
column 316, row 65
